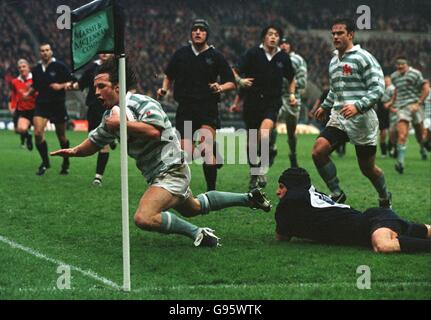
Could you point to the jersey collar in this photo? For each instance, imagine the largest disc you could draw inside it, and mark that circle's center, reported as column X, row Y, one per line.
column 267, row 54
column 353, row 49
column 29, row 77
column 197, row 52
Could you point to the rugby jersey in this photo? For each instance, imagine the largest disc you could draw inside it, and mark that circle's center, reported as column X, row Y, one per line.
column 427, row 106
column 300, row 68
column 389, row 92
column 408, row 85
column 153, row 156
column 355, row 78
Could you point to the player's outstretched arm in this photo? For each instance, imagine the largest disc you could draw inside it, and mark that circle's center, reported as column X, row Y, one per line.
column 85, row 149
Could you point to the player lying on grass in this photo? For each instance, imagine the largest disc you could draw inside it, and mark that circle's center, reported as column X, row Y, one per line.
column 153, row 143
column 306, row 213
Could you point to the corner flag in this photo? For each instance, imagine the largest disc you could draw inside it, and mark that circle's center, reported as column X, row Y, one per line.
column 98, row 27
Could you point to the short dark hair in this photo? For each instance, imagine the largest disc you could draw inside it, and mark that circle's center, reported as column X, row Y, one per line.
column 45, row 44
column 265, row 31
column 293, row 178
column 349, row 23
column 111, row 67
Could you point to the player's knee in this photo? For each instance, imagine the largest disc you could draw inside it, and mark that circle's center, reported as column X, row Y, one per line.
column 144, row 222
column 382, row 246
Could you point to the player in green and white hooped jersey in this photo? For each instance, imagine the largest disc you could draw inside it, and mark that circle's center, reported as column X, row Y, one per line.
column 291, row 108
column 153, row 143
column 411, row 91
column 356, row 84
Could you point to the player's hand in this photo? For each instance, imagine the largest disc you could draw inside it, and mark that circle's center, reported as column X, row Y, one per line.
column 245, row 82
column 393, row 110
column 215, row 87
column 113, row 122
column 71, row 152
column 348, row 111
column 234, row 108
column 57, row 86
column 69, row 86
column 387, row 105
column 161, row 93
column 319, row 114
column 292, row 100
column 415, row 107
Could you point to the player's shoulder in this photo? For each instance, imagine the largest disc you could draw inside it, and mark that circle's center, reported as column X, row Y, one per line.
column 365, row 57
column 141, row 101
column 415, row 71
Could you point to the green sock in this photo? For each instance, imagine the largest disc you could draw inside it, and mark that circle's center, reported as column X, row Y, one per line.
column 380, row 186
column 401, row 153
column 173, row 224
column 217, row 200
column 329, row 174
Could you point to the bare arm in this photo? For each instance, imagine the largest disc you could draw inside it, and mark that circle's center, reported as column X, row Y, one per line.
column 425, row 92
column 85, row 149
column 136, row 129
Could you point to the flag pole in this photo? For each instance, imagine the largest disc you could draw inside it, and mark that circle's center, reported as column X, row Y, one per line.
column 124, row 174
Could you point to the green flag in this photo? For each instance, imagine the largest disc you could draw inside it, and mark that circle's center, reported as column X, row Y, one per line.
column 95, row 29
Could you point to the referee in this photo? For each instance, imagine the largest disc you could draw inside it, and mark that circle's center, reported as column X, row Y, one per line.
column 199, row 74
column 50, row 78
column 260, row 73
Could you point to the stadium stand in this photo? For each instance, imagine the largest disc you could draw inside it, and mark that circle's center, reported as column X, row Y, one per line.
column 155, row 29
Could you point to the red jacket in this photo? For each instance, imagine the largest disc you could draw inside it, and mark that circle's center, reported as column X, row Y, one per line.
column 19, row 87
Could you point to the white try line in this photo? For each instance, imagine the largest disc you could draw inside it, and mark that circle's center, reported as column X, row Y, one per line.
column 87, row 273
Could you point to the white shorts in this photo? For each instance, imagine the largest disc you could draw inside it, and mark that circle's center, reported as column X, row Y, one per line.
column 287, row 110
column 361, row 129
column 176, row 180
column 405, row 113
column 427, row 124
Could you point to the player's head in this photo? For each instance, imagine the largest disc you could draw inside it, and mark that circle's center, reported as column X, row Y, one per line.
column 343, row 31
column 106, row 82
column 293, row 178
column 105, row 57
column 45, row 51
column 270, row 36
column 23, row 67
column 388, row 81
column 402, row 64
column 200, row 31
column 286, row 44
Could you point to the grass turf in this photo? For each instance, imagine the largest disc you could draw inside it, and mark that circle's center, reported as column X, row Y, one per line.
column 65, row 218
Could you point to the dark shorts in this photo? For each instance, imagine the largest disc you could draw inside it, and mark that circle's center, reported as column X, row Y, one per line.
column 94, row 117
column 55, row 112
column 198, row 114
column 383, row 116
column 337, row 137
column 28, row 114
column 258, row 108
column 386, row 218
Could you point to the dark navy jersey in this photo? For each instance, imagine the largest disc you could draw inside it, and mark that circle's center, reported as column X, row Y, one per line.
column 56, row 72
column 193, row 73
column 87, row 82
column 313, row 215
column 268, row 75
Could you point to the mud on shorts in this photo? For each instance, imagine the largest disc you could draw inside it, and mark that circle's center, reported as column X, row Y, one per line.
column 362, row 129
column 405, row 113
column 176, row 180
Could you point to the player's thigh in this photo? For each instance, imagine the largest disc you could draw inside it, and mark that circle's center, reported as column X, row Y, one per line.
column 155, row 200
column 23, row 124
column 39, row 124
column 366, row 156
column 403, row 128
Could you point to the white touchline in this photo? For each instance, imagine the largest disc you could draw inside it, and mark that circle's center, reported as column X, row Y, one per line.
column 87, row 273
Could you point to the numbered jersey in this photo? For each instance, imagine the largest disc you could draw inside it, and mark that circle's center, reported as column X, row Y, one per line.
column 313, row 215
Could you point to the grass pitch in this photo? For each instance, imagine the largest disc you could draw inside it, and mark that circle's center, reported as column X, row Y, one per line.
column 50, row 220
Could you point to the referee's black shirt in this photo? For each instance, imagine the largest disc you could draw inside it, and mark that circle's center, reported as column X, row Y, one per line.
column 192, row 74
column 56, row 72
column 268, row 75
column 312, row 215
